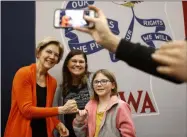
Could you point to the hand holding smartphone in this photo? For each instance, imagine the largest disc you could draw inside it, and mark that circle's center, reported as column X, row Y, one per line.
column 72, row 18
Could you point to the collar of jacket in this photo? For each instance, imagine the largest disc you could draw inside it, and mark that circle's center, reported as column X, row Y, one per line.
column 113, row 100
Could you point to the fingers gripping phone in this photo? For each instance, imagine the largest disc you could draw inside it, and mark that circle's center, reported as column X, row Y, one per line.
column 67, row 18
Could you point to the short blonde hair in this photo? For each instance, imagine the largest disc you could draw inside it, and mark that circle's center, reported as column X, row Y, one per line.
column 50, row 40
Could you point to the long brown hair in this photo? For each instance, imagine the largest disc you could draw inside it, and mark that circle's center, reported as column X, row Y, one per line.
column 112, row 79
column 67, row 77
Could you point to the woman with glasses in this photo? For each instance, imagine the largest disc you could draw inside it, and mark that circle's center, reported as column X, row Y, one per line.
column 76, row 85
column 105, row 115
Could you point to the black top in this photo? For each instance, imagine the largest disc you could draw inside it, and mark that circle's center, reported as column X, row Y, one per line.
column 81, row 95
column 39, row 125
column 139, row 56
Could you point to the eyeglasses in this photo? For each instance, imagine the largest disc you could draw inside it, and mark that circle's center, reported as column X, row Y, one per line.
column 102, row 82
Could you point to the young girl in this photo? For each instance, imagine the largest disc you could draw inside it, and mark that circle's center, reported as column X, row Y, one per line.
column 105, row 115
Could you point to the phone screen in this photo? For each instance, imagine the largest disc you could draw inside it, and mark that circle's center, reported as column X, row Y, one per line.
column 70, row 18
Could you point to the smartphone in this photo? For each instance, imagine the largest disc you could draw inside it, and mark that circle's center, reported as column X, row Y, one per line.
column 67, row 18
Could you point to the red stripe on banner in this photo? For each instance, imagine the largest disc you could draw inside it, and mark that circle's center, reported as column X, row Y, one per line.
column 184, row 3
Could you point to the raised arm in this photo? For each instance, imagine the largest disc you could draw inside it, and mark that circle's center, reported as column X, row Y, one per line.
column 136, row 55
column 23, row 92
column 139, row 56
column 80, row 124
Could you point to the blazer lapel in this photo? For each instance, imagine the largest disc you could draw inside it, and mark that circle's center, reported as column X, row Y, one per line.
column 33, row 70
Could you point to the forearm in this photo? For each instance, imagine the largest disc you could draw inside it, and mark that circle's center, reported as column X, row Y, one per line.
column 139, row 57
column 112, row 42
column 80, row 128
column 78, row 123
column 39, row 112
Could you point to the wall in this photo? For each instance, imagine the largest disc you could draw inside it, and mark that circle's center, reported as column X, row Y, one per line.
column 18, row 44
column 161, row 110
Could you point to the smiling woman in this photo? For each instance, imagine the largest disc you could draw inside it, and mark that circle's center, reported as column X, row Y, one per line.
column 75, row 85
column 31, row 113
